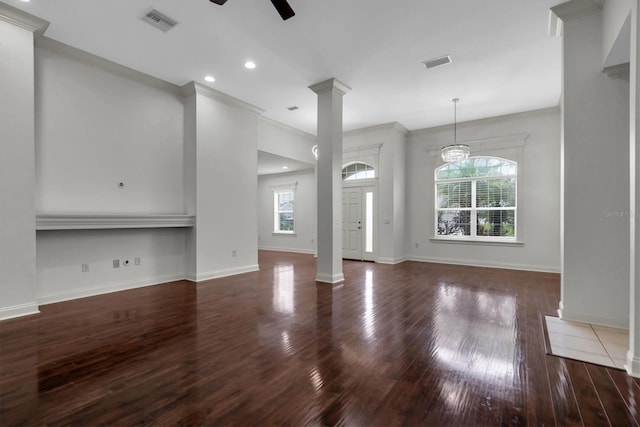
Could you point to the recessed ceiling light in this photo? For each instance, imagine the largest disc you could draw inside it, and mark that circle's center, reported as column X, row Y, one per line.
column 25, row 1
column 285, row 167
column 209, row 79
column 250, row 65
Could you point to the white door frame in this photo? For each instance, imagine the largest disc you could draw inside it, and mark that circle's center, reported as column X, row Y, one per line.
column 367, row 185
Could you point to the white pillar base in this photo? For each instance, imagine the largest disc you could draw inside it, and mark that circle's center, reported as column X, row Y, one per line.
column 330, row 278
column 633, row 365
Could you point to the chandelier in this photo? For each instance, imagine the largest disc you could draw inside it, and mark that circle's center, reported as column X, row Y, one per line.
column 455, row 151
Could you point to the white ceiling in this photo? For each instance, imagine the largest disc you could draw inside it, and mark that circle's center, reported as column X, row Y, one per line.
column 271, row 163
column 503, row 59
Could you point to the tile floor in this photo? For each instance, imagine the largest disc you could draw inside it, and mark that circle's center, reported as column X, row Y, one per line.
column 588, row 343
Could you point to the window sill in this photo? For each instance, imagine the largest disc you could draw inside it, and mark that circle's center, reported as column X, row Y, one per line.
column 478, row 242
column 283, row 233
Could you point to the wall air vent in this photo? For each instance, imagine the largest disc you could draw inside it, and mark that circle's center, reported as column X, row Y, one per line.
column 159, row 20
column 437, row 62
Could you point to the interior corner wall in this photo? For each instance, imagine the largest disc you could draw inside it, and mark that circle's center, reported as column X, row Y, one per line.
column 304, row 239
column 539, row 187
column 389, row 161
column 614, row 14
column 399, row 195
column 96, row 129
column 595, row 275
column 276, row 138
column 97, row 126
column 17, row 173
column 227, row 194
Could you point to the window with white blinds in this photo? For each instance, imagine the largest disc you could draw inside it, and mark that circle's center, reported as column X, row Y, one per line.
column 475, row 199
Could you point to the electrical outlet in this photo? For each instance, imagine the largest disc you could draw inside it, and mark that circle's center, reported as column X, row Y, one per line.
column 136, row 260
column 116, row 263
column 85, row 268
column 234, row 252
column 126, row 262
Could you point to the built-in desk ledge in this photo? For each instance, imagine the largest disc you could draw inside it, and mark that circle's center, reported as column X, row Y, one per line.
column 89, row 221
column 478, row 242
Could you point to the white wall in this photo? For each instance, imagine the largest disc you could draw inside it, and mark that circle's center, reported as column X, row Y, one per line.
column 614, row 15
column 97, row 128
column 304, row 239
column 391, row 218
column 539, row 188
column 595, row 279
column 276, row 138
column 98, row 124
column 61, row 253
column 17, row 175
column 227, row 185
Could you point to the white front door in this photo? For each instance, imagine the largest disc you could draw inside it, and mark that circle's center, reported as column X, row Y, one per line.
column 358, row 221
column 352, row 223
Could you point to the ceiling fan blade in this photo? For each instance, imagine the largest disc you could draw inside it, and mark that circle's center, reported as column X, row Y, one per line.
column 283, row 9
column 220, row 2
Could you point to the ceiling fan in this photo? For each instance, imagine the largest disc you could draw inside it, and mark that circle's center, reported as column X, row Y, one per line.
column 281, row 6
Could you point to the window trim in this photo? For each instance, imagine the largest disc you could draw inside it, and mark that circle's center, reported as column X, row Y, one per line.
column 473, row 210
column 284, row 188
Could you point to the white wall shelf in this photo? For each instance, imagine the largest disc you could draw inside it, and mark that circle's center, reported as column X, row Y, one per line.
column 74, row 221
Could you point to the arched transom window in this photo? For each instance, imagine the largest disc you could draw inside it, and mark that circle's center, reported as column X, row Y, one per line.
column 475, row 199
column 358, row 170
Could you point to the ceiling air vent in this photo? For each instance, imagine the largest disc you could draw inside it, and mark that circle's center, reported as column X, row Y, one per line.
column 437, row 62
column 159, row 20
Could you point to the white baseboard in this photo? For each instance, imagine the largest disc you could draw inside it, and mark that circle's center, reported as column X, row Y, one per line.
column 329, row 278
column 226, row 272
column 383, row 260
column 18, row 310
column 633, row 365
column 476, row 263
column 594, row 319
column 114, row 287
column 294, row 250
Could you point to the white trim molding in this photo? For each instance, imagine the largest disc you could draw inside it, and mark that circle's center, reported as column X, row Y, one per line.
column 594, row 319
column 17, row 17
column 18, row 310
column 292, row 250
column 107, row 289
column 633, row 365
column 73, row 221
column 485, row 264
column 330, row 278
column 391, row 261
column 216, row 274
column 193, row 88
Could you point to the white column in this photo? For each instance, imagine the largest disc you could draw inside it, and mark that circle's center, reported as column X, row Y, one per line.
column 595, row 231
column 329, row 180
column 18, row 294
column 633, row 356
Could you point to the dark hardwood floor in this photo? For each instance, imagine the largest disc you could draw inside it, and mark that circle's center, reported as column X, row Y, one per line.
column 410, row 344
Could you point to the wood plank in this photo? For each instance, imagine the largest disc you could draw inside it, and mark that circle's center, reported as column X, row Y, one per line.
column 407, row 344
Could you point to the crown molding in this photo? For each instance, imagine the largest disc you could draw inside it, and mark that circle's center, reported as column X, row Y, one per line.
column 330, row 84
column 486, row 144
column 486, row 120
column 620, row 71
column 286, row 127
column 59, row 48
column 193, row 88
column 373, row 149
column 384, row 126
column 22, row 19
column 574, row 9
